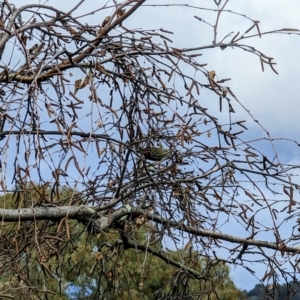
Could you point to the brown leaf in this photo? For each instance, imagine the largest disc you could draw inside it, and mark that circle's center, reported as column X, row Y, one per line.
column 212, row 74
column 109, row 275
column 85, row 82
column 121, row 12
column 98, row 255
column 77, row 85
column 106, row 20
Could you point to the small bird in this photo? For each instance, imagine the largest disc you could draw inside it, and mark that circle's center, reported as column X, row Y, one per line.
column 155, row 153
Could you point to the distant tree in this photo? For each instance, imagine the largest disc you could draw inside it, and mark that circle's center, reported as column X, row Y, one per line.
column 285, row 291
column 115, row 114
column 258, row 292
column 124, row 270
column 83, row 262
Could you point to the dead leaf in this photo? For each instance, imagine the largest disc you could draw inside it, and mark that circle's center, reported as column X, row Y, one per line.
column 106, row 20
column 212, row 74
column 121, row 12
column 77, row 85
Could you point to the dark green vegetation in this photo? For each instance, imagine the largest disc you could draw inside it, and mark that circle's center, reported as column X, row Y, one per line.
column 285, row 291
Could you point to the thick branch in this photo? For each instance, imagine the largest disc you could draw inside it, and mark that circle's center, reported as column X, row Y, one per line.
column 99, row 223
column 86, row 215
column 217, row 235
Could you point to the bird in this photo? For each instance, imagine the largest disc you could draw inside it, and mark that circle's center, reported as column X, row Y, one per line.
column 155, row 153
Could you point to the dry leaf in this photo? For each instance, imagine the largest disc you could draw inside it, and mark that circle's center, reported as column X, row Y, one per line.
column 98, row 255
column 72, row 31
column 212, row 74
column 106, row 20
column 121, row 12
column 188, row 246
column 176, row 193
column 77, row 85
column 85, row 82
column 150, row 209
column 109, row 275
column 140, row 220
column 111, row 183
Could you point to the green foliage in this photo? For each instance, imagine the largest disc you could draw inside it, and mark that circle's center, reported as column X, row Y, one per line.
column 33, row 259
column 97, row 266
column 110, row 272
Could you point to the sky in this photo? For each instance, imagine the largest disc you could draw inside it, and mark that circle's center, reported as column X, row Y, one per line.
column 273, row 99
